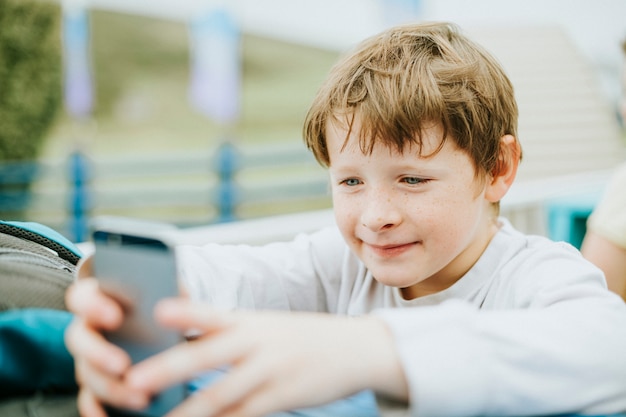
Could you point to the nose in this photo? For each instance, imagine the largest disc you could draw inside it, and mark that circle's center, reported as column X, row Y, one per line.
column 380, row 212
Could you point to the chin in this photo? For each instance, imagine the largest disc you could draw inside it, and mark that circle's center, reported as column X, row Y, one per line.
column 394, row 280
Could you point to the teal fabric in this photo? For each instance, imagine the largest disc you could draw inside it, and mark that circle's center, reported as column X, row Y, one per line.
column 33, row 355
column 46, row 232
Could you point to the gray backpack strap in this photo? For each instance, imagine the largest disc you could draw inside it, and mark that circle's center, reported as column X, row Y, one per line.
column 40, row 405
column 32, row 275
column 45, row 236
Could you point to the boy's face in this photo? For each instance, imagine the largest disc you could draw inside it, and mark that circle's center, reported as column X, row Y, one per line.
column 418, row 223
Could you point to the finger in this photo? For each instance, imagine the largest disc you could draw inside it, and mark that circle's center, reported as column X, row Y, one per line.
column 90, row 346
column 183, row 362
column 183, row 314
column 84, row 268
column 112, row 392
column 105, row 387
column 88, row 405
column 85, row 299
column 259, row 403
column 226, row 395
column 242, row 393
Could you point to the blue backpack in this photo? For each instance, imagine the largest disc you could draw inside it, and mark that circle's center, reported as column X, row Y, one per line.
column 37, row 265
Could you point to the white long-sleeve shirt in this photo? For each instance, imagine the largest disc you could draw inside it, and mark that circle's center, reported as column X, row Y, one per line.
column 530, row 329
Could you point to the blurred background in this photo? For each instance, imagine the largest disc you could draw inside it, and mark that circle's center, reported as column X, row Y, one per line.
column 190, row 111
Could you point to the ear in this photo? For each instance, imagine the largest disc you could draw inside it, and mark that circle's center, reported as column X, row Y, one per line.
column 505, row 170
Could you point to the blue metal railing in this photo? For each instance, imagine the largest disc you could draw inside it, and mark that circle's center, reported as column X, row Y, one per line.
column 80, row 187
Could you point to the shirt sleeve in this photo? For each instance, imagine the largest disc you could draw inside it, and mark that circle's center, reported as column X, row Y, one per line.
column 564, row 354
column 303, row 274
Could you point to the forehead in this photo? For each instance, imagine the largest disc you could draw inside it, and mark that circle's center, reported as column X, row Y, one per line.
column 345, row 133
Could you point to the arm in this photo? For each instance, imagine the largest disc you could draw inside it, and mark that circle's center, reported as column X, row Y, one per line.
column 278, row 361
column 449, row 360
column 605, row 241
column 563, row 334
column 303, row 274
column 461, row 361
column 547, row 328
column 609, row 257
column 275, row 276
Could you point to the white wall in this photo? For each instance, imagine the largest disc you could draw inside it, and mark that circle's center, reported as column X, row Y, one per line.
column 597, row 26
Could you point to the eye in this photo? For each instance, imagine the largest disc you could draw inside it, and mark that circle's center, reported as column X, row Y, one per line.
column 351, row 182
column 414, row 180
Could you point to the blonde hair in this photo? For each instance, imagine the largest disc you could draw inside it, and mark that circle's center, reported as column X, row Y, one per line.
column 408, row 77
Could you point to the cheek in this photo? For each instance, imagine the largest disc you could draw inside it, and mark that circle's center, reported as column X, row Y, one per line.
column 451, row 201
column 459, row 217
column 347, row 218
column 344, row 213
column 450, row 213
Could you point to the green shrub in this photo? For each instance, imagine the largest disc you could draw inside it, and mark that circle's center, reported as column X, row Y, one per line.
column 30, row 75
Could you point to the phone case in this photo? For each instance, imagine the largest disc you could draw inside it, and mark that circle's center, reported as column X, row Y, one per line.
column 138, row 271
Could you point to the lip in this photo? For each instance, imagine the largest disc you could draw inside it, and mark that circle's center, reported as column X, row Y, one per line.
column 391, row 250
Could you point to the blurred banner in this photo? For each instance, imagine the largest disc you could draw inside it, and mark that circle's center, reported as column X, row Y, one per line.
column 400, row 11
column 76, row 60
column 215, row 65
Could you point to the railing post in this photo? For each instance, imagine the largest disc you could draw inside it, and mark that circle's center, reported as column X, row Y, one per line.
column 227, row 193
column 79, row 172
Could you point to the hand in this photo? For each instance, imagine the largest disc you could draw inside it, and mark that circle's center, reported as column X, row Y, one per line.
column 100, row 365
column 278, row 361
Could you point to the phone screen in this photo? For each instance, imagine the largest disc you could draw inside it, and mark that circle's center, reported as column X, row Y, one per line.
column 138, row 271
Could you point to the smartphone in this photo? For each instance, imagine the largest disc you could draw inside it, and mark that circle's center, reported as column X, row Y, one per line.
column 138, row 269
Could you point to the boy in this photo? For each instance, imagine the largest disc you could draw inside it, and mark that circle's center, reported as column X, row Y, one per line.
column 438, row 304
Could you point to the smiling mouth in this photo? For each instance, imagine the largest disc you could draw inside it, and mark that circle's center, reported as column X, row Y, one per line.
column 388, row 251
